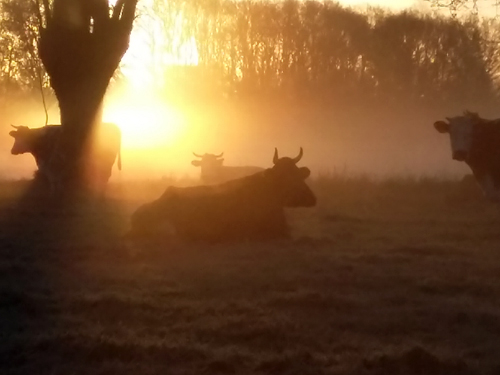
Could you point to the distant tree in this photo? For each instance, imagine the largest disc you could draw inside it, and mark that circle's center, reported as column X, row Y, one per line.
column 21, row 67
column 465, row 6
column 454, row 6
column 490, row 40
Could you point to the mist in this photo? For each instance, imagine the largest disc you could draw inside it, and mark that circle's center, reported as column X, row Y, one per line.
column 374, row 142
column 360, row 93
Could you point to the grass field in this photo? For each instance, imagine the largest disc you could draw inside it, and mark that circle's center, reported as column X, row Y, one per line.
column 398, row 276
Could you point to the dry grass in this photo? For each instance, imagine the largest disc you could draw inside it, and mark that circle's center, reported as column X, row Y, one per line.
column 383, row 277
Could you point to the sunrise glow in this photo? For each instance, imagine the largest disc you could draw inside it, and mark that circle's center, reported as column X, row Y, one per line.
column 147, row 121
column 152, row 48
column 393, row 4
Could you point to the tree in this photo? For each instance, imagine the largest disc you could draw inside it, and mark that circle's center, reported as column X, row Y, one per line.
column 21, row 68
column 453, row 5
column 81, row 44
column 468, row 6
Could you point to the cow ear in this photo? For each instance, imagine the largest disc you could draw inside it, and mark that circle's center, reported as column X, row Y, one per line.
column 304, row 172
column 13, row 133
column 442, row 127
column 196, row 163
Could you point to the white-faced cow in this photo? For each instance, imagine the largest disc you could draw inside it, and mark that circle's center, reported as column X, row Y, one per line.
column 476, row 141
column 212, row 170
column 249, row 208
column 41, row 142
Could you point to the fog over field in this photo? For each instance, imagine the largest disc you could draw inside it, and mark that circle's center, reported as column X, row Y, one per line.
column 358, row 89
column 359, row 140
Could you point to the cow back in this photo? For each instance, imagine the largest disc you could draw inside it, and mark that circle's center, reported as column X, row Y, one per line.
column 233, row 211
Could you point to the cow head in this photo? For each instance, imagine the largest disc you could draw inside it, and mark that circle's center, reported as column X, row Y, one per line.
column 208, row 160
column 23, row 140
column 460, row 129
column 289, row 181
column 210, row 164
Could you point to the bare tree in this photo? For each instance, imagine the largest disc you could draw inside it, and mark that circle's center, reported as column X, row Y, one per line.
column 456, row 6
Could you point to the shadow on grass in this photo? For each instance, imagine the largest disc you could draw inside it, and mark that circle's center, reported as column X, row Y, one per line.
column 40, row 239
column 416, row 360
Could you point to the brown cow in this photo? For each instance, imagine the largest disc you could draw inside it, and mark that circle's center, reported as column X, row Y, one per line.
column 249, row 208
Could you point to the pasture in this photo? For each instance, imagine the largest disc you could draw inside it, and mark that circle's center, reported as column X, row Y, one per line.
column 395, row 276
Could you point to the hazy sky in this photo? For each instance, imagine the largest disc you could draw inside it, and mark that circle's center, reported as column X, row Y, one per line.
column 486, row 7
column 395, row 4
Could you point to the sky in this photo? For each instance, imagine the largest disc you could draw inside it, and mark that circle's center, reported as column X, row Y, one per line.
column 486, row 7
column 394, row 4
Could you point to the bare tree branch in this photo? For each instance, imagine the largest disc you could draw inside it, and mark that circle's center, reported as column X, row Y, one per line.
column 46, row 9
column 117, row 11
column 38, row 14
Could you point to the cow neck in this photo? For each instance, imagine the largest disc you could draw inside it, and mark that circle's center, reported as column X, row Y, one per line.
column 484, row 156
column 41, row 145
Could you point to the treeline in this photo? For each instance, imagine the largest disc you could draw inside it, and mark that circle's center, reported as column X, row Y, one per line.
column 295, row 50
column 313, row 50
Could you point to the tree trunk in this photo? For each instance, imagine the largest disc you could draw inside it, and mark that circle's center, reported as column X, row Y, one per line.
column 81, row 46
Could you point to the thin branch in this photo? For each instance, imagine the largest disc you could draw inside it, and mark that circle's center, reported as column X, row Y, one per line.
column 39, row 63
column 117, row 10
column 39, row 14
column 46, row 8
column 40, row 81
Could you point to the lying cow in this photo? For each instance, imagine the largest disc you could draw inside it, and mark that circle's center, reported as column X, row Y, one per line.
column 476, row 141
column 41, row 143
column 212, row 170
column 249, row 208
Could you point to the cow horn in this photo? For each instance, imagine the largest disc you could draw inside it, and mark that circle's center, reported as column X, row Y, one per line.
column 448, row 119
column 198, row 156
column 15, row 127
column 220, row 155
column 275, row 157
column 299, row 156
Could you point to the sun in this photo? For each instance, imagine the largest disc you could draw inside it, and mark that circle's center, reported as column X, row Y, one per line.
column 146, row 120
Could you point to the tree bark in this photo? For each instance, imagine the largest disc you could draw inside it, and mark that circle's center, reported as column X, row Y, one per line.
column 80, row 59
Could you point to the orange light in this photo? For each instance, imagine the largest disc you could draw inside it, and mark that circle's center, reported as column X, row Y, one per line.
column 152, row 48
column 144, row 123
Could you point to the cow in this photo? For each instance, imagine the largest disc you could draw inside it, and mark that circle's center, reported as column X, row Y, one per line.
column 41, row 143
column 246, row 209
column 476, row 141
column 212, row 170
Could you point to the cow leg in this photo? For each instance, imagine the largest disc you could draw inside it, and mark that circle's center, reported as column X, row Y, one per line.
column 490, row 191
